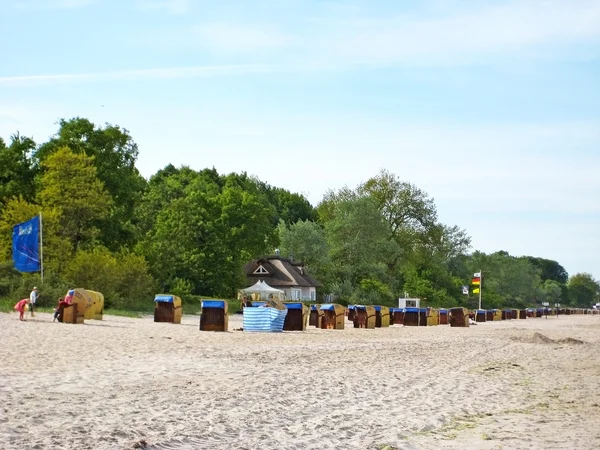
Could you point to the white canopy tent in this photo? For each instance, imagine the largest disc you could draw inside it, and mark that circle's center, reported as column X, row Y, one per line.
column 263, row 291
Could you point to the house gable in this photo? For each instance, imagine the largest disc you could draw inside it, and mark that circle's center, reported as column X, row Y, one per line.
column 260, row 270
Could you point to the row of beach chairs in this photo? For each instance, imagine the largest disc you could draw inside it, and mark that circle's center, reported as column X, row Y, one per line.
column 334, row 316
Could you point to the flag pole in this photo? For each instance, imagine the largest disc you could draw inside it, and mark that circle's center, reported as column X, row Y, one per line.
column 41, row 251
column 480, row 286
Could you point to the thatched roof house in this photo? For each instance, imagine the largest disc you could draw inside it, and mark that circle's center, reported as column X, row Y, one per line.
column 285, row 274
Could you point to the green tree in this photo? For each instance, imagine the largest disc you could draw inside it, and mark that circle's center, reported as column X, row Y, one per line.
column 549, row 269
column 71, row 188
column 114, row 155
column 305, row 241
column 551, row 291
column 507, row 281
column 359, row 243
column 584, row 290
column 205, row 234
column 289, row 207
column 16, row 168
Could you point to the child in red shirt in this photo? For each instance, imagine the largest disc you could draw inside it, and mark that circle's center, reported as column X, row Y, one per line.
column 20, row 306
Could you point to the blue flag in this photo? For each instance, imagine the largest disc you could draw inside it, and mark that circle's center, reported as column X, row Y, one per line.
column 26, row 245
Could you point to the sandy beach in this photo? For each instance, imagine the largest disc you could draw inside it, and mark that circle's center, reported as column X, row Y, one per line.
column 126, row 383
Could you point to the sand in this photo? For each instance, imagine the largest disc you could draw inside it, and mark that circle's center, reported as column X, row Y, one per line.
column 125, row 383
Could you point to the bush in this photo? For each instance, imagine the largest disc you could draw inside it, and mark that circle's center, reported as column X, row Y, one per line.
column 122, row 278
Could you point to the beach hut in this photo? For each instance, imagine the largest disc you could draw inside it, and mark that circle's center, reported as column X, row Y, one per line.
column 398, row 316
column 296, row 317
column 269, row 317
column 443, row 316
column 167, row 308
column 382, row 316
column 75, row 312
column 480, row 315
column 333, row 316
column 213, row 315
column 433, row 317
column 459, row 317
column 365, row 316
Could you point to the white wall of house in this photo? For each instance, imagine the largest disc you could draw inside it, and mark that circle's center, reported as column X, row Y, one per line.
column 300, row 293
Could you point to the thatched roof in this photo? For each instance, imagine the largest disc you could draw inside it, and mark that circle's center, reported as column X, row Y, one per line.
column 281, row 272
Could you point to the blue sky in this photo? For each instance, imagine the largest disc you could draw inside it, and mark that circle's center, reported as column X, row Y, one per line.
column 492, row 107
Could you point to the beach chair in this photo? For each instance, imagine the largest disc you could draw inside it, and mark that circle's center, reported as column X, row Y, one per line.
column 480, row 315
column 443, row 317
column 382, row 316
column 334, row 316
column 75, row 312
column 213, row 315
column 95, row 309
column 365, row 316
column 167, row 308
column 315, row 317
column 433, row 317
column 398, row 314
column 459, row 317
column 412, row 317
column 296, row 317
column 351, row 312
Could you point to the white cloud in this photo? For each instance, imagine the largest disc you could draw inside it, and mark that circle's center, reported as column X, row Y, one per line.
column 133, row 75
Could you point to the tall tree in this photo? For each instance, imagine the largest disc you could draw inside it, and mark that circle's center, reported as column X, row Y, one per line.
column 16, row 168
column 551, row 291
column 205, row 234
column 289, row 207
column 584, row 290
column 507, row 280
column 549, row 269
column 305, row 241
column 358, row 238
column 71, row 187
column 115, row 154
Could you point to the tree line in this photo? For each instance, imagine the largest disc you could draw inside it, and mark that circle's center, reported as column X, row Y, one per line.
column 190, row 232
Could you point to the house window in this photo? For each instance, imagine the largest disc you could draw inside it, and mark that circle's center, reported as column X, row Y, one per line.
column 296, row 293
column 313, row 296
column 260, row 271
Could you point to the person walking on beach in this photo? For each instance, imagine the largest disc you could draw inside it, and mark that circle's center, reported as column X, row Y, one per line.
column 33, row 299
column 20, row 306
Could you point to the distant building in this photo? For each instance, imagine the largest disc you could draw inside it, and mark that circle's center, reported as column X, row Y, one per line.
column 285, row 274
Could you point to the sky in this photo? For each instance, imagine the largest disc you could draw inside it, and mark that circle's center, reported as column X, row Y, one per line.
column 491, row 107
